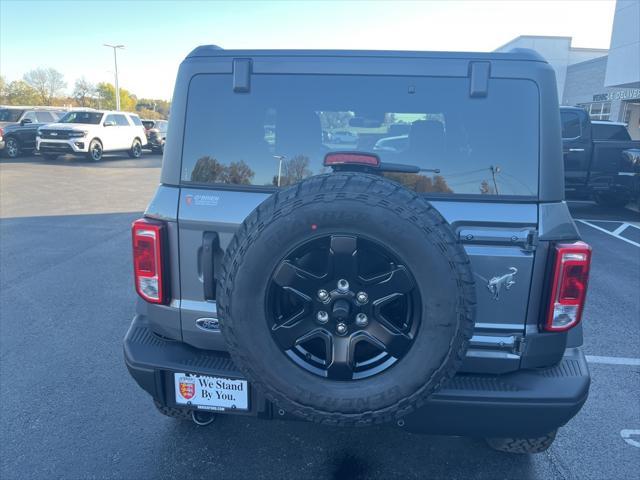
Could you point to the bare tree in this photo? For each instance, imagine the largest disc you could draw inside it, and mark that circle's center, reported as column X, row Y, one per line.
column 295, row 170
column 83, row 92
column 48, row 82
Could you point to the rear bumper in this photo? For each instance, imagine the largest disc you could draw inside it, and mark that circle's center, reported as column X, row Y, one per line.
column 153, row 142
column 526, row 403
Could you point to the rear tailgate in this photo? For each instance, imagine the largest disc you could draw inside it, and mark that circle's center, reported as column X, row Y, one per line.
column 500, row 247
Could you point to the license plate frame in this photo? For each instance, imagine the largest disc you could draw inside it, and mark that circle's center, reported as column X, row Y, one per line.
column 207, row 392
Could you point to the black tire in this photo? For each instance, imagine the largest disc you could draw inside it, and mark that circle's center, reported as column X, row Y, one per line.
column 389, row 214
column 12, row 148
column 95, row 152
column 136, row 149
column 523, row 445
column 614, row 200
column 49, row 156
column 173, row 412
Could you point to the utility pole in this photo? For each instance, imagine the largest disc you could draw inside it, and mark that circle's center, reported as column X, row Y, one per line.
column 115, row 62
column 495, row 170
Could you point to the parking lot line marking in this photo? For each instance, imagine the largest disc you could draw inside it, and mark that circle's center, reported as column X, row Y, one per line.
column 599, row 220
column 621, row 229
column 632, row 362
column 603, row 230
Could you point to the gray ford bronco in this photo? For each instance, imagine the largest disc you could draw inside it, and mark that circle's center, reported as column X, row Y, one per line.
column 436, row 284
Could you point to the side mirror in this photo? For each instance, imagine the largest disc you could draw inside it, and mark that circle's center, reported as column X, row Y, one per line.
column 109, row 123
column 24, row 121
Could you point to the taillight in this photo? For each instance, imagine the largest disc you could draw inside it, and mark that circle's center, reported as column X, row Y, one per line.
column 148, row 244
column 569, row 290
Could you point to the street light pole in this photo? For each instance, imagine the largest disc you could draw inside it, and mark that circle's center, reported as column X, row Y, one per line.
column 279, row 158
column 115, row 62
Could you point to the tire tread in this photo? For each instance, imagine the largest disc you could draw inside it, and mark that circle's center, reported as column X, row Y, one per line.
column 372, row 191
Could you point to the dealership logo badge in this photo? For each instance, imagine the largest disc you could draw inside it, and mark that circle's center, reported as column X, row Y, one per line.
column 187, row 389
column 202, row 200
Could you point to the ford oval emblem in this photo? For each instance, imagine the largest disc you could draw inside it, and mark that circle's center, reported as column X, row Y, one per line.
column 208, row 324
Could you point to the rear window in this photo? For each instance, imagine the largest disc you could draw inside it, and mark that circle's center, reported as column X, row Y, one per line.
column 45, row 117
column 570, row 125
column 121, row 120
column 147, row 124
column 280, row 132
column 10, row 114
column 602, row 131
column 136, row 120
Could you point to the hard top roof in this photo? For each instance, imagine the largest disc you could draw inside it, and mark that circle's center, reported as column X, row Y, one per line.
column 514, row 54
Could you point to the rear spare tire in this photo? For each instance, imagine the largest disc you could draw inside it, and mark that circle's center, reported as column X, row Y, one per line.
column 346, row 299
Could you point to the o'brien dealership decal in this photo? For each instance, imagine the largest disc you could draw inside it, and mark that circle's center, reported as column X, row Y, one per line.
column 202, row 200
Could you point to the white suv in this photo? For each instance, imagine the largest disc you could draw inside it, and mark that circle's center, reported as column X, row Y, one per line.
column 92, row 133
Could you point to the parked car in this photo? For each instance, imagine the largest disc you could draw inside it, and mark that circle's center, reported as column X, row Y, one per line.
column 600, row 159
column 392, row 144
column 344, row 136
column 92, row 133
column 156, row 131
column 18, row 127
column 378, row 288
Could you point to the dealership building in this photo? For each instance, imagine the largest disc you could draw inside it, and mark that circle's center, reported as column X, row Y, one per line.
column 606, row 83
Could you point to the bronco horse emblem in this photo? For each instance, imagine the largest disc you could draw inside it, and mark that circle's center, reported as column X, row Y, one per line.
column 507, row 280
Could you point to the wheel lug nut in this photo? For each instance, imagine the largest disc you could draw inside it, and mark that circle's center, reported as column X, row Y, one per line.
column 362, row 298
column 361, row 320
column 323, row 295
column 322, row 317
column 343, row 286
column 341, row 328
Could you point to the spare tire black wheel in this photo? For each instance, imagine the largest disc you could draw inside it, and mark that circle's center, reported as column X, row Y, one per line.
column 346, row 299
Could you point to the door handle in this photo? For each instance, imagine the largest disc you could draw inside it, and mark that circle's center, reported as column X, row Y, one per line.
column 210, row 244
column 576, row 149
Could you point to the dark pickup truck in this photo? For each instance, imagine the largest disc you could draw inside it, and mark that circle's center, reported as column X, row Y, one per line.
column 600, row 159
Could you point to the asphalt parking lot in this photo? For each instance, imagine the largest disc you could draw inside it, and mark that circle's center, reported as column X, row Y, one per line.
column 70, row 410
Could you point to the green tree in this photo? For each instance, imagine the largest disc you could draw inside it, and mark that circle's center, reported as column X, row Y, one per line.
column 238, row 173
column 208, row 170
column 19, row 92
column 149, row 114
column 155, row 105
column 3, row 89
column 47, row 82
column 107, row 98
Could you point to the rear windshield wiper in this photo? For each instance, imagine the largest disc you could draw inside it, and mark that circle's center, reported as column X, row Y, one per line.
column 404, row 168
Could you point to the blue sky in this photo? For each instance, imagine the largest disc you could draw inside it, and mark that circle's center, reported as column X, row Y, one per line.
column 68, row 35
